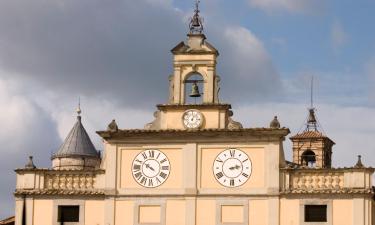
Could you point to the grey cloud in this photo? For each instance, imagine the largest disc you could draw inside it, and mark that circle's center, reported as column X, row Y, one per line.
column 115, row 49
column 26, row 130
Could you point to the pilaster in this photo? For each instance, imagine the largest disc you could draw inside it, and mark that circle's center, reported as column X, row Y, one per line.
column 19, row 210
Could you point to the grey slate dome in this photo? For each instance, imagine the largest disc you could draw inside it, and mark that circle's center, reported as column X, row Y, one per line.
column 77, row 151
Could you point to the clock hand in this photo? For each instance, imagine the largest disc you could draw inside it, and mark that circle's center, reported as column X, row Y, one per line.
column 235, row 167
column 149, row 167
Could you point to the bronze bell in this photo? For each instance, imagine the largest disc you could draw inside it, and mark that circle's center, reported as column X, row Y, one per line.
column 195, row 91
column 195, row 22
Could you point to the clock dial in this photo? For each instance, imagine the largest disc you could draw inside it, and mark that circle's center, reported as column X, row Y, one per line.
column 232, row 168
column 151, row 168
column 192, row 119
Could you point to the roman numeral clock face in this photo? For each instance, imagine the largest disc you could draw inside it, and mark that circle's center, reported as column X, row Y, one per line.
column 151, row 168
column 232, row 168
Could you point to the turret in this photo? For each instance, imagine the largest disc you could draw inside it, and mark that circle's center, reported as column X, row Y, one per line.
column 77, row 151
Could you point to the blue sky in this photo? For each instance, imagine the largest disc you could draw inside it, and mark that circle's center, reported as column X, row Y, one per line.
column 53, row 51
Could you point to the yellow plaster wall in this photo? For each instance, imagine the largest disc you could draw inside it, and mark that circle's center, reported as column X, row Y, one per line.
column 124, row 213
column 232, row 214
column 206, row 212
column 256, row 155
column 94, row 212
column 149, row 214
column 258, row 212
column 43, row 211
column 175, row 177
column 342, row 212
column 289, row 211
column 175, row 212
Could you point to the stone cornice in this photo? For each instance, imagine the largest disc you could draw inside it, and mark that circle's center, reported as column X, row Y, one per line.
column 254, row 134
column 163, row 107
column 47, row 170
column 19, row 192
column 329, row 191
column 327, row 170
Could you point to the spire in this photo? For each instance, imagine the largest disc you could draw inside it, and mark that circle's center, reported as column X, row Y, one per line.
column 78, row 142
column 196, row 22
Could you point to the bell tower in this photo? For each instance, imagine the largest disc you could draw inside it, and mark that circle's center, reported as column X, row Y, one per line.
column 194, row 65
column 194, row 86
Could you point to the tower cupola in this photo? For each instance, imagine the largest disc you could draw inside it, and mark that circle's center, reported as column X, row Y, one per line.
column 77, row 151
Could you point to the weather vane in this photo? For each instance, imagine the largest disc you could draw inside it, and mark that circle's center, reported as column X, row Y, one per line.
column 196, row 22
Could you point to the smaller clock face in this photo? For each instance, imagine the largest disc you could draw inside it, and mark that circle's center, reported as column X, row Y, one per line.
column 232, row 168
column 151, row 168
column 192, row 119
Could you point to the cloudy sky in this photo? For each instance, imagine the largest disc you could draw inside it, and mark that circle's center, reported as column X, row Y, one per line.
column 115, row 55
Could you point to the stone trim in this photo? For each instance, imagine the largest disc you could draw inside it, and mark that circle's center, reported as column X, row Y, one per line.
column 304, row 202
column 150, row 202
column 232, row 202
column 62, row 202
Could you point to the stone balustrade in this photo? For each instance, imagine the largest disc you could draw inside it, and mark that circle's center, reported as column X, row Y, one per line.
column 326, row 181
column 68, row 180
column 60, row 181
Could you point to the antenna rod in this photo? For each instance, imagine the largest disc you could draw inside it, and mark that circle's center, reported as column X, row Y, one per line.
column 312, row 89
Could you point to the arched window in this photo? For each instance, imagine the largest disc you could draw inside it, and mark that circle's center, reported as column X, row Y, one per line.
column 194, row 89
column 308, row 158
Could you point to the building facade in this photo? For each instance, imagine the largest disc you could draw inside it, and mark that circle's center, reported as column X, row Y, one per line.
column 194, row 165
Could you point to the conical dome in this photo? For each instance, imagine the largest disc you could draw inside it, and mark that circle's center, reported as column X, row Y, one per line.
column 77, row 151
column 77, row 143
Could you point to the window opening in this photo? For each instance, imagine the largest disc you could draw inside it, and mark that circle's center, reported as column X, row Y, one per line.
column 315, row 213
column 68, row 213
column 308, row 158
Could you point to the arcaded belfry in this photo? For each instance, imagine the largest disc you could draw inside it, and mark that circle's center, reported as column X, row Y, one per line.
column 77, row 151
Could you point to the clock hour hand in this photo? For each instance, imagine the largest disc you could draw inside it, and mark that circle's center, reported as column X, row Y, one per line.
column 235, row 167
column 149, row 167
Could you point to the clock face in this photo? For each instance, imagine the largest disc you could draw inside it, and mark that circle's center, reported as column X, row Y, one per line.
column 232, row 168
column 151, row 168
column 192, row 119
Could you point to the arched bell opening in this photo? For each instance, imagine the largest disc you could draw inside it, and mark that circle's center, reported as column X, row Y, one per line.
column 194, row 86
column 308, row 159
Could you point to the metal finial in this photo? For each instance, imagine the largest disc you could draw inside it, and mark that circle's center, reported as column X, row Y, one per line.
column 196, row 22
column 79, row 111
column 311, row 93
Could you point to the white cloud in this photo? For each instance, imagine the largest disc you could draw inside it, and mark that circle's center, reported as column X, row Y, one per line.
column 294, row 6
column 338, row 35
column 246, row 65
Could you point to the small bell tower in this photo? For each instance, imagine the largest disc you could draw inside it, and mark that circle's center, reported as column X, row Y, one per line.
column 194, row 79
column 312, row 148
column 193, row 102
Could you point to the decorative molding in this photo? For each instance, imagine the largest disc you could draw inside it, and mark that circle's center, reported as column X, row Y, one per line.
column 150, row 202
column 232, row 202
